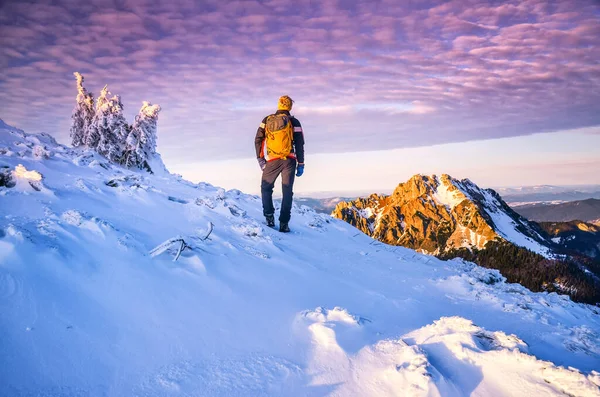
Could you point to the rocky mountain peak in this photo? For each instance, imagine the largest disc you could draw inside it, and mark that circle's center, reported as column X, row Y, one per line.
column 444, row 189
column 435, row 214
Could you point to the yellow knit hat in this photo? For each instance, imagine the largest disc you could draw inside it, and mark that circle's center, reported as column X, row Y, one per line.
column 285, row 103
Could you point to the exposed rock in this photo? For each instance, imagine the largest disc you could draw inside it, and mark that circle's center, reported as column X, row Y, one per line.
column 6, row 179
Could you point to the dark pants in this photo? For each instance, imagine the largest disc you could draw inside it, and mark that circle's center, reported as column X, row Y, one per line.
column 287, row 169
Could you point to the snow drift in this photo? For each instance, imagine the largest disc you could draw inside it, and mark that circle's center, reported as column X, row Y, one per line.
column 245, row 310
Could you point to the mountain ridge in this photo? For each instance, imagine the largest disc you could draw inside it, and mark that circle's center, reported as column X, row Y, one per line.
column 587, row 210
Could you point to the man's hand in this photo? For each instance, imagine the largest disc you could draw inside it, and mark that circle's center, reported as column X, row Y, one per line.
column 300, row 170
column 262, row 163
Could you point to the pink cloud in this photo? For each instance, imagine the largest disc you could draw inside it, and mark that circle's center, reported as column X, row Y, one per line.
column 468, row 42
column 502, row 69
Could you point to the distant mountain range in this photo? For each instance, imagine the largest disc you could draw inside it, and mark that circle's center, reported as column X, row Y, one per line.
column 548, row 194
column 583, row 210
column 322, row 205
column 546, row 189
column 443, row 216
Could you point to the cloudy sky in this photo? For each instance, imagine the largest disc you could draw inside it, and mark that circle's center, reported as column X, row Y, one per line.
column 502, row 92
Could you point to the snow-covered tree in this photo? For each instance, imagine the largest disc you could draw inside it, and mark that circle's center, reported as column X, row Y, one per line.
column 105, row 130
column 115, row 131
column 120, row 126
column 99, row 123
column 108, row 130
column 141, row 141
column 83, row 113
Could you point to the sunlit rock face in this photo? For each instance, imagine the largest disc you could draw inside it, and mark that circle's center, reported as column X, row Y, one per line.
column 434, row 214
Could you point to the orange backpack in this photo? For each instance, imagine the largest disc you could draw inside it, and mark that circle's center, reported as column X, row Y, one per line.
column 280, row 134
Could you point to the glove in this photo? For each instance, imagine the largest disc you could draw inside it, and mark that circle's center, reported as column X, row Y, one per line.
column 262, row 163
column 300, row 170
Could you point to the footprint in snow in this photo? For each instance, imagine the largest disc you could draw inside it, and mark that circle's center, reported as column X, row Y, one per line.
column 9, row 285
column 253, row 251
column 252, row 231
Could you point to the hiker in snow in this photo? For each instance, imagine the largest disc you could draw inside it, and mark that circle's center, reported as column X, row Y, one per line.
column 280, row 150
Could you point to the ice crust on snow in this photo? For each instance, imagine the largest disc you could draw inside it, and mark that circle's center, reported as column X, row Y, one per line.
column 86, row 310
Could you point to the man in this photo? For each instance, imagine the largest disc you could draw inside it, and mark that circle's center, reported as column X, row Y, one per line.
column 279, row 146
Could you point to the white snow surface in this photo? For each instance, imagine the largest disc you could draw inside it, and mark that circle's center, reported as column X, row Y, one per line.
column 446, row 197
column 507, row 228
column 87, row 311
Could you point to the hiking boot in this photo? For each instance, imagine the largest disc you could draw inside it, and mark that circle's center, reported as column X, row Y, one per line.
column 270, row 220
column 284, row 228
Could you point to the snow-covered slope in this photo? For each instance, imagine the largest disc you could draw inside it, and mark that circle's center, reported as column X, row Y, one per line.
column 85, row 310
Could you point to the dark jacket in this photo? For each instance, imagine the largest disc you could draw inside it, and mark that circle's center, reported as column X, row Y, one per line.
column 297, row 144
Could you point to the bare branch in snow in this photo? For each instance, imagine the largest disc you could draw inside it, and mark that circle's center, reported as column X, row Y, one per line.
column 165, row 246
column 180, row 250
column 182, row 243
column 210, row 229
